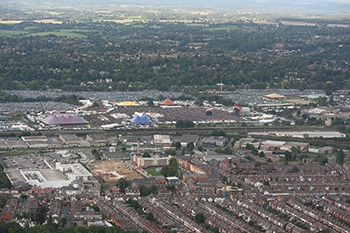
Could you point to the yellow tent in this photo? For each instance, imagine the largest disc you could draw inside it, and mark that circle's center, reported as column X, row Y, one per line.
column 127, row 104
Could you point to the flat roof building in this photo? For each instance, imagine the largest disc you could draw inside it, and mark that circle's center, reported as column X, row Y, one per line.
column 16, row 144
column 97, row 139
column 213, row 141
column 73, row 140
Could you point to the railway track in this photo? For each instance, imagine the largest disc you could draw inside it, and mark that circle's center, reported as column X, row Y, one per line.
column 196, row 130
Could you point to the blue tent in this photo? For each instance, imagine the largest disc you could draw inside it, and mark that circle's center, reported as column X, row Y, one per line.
column 140, row 120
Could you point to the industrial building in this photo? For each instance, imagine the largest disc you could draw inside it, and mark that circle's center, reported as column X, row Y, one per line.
column 73, row 140
column 162, row 140
column 97, row 139
column 214, row 141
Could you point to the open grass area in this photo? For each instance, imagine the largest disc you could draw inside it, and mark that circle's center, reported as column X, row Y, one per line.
column 73, row 33
column 67, row 33
column 153, row 171
column 11, row 32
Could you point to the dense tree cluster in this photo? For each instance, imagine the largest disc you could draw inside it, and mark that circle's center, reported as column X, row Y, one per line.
column 4, row 181
column 122, row 184
column 70, row 99
column 170, row 56
column 171, row 169
column 184, row 124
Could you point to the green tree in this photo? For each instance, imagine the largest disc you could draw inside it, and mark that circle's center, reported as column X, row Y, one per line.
column 190, row 146
column 249, row 146
column 63, row 221
column 184, row 124
column 43, row 209
column 122, row 184
column 173, row 162
column 295, row 169
column 150, row 216
column 150, row 103
column 340, row 157
column 285, row 84
column 40, row 218
column 171, row 187
column 261, row 154
column 146, row 154
column 200, row 218
column 177, row 145
column 288, row 155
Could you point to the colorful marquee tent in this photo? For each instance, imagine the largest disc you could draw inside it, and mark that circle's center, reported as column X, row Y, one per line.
column 128, row 104
column 167, row 102
column 140, row 120
column 64, row 119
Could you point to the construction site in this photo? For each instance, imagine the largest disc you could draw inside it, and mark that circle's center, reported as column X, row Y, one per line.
column 111, row 171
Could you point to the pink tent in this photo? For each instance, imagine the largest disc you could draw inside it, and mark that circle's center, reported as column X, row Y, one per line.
column 64, row 119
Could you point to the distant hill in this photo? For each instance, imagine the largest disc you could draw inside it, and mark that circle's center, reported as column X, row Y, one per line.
column 313, row 6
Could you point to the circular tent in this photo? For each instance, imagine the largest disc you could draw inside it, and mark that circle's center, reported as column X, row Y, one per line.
column 127, row 104
column 274, row 96
column 64, row 119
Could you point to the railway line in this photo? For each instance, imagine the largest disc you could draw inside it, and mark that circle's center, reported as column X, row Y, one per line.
column 196, row 130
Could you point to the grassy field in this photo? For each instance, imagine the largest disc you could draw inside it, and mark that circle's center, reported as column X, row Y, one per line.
column 153, row 172
column 11, row 33
column 67, row 33
column 73, row 33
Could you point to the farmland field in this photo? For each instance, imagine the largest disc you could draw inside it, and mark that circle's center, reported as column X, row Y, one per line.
column 67, row 33
column 11, row 32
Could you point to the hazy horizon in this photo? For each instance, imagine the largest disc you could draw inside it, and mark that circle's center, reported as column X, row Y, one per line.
column 312, row 6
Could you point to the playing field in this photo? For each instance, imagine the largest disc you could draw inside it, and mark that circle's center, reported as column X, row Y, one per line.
column 111, row 171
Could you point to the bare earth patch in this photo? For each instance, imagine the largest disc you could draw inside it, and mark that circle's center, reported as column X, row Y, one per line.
column 111, row 171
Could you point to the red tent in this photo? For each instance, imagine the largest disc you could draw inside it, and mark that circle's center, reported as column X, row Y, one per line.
column 167, row 102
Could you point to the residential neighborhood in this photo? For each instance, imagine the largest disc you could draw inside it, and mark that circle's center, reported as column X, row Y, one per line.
column 269, row 185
